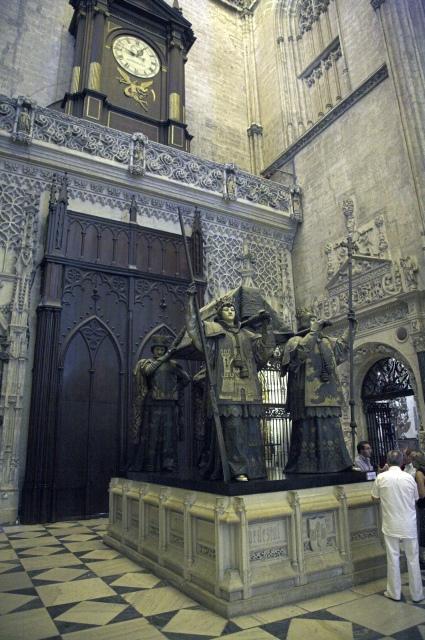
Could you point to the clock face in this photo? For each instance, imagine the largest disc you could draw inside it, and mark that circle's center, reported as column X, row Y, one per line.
column 136, row 56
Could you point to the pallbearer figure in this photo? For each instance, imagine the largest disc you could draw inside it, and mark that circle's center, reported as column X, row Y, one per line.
column 235, row 354
column 315, row 399
column 160, row 383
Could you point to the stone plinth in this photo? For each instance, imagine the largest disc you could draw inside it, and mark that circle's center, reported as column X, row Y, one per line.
column 239, row 554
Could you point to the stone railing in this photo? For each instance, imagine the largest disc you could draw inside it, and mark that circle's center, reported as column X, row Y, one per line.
column 27, row 122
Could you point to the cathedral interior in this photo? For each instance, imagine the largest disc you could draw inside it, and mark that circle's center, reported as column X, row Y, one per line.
column 274, row 149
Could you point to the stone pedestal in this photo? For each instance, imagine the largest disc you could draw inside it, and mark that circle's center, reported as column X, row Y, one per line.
column 239, row 554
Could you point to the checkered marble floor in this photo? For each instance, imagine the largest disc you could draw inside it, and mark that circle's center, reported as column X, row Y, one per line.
column 60, row 581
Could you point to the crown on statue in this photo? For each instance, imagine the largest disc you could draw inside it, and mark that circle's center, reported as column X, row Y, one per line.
column 304, row 315
column 225, row 301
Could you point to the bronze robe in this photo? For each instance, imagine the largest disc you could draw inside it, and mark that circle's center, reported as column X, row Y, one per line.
column 236, row 354
column 314, row 402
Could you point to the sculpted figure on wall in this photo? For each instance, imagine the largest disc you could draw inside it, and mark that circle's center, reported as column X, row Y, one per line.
column 236, row 353
column 160, row 383
column 315, row 398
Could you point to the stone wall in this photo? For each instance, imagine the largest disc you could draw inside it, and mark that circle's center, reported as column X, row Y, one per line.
column 36, row 50
column 216, row 97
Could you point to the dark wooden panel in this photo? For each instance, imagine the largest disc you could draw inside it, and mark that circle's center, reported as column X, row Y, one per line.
column 96, row 316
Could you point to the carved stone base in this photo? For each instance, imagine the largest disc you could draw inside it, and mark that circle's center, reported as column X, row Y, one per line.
column 239, row 554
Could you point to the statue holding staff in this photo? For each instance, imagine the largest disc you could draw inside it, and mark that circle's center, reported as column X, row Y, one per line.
column 160, row 382
column 235, row 354
column 314, row 399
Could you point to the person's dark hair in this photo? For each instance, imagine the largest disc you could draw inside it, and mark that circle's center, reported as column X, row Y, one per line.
column 361, row 445
column 395, row 458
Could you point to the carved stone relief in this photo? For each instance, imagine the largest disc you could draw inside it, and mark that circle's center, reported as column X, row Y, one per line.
column 376, row 276
column 319, row 533
column 273, row 271
column 268, row 541
column 138, row 154
column 19, row 202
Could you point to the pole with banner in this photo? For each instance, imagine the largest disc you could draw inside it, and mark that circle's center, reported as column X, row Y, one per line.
column 210, row 384
column 348, row 208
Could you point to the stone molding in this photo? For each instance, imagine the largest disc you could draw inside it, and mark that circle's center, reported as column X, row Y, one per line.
column 140, row 156
column 329, row 118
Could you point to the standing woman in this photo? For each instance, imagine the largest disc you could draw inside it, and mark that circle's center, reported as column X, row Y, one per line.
column 418, row 460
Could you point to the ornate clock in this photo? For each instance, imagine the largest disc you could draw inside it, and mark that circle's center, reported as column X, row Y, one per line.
column 128, row 68
column 136, row 56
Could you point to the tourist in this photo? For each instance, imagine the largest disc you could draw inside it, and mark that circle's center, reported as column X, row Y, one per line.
column 397, row 492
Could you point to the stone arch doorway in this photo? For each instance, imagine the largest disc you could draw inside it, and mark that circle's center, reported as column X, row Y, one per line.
column 389, row 406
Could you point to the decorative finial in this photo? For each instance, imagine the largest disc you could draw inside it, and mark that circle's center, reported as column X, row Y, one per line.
column 133, row 209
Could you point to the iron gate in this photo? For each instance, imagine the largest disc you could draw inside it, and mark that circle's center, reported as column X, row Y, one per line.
column 276, row 423
column 385, row 381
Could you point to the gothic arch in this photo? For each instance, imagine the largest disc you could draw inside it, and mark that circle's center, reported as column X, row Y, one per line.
column 365, row 356
column 158, row 329
column 77, row 329
column 368, row 353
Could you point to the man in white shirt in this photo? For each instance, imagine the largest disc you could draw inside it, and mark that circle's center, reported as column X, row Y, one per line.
column 398, row 492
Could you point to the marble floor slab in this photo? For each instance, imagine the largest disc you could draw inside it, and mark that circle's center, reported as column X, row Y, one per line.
column 205, row 622
column 154, row 601
column 75, row 591
column 35, row 624
column 133, row 629
column 381, row 614
column 99, row 613
column 320, row 630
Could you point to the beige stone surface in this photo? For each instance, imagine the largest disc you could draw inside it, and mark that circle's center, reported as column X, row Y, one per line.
column 120, row 631
column 49, row 562
column 329, row 600
column 100, row 613
column 319, row 630
column 34, row 624
column 159, row 600
column 267, row 616
column 63, row 593
column 203, row 623
column 380, row 614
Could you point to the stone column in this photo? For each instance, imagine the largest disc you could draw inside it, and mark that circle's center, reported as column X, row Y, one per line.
column 403, row 26
column 255, row 129
column 419, row 343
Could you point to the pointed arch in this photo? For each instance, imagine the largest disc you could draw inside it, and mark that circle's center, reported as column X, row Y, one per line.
column 158, row 329
column 77, row 329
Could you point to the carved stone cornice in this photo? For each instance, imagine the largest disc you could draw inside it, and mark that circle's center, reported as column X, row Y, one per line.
column 329, row 118
column 152, row 158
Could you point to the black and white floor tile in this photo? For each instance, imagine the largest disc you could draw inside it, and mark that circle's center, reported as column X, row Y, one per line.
column 60, row 581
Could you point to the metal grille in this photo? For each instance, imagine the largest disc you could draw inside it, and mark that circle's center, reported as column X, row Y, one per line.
column 388, row 378
column 381, row 430
column 276, row 424
column 385, row 383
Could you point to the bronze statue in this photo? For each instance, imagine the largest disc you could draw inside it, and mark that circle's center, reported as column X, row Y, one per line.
column 315, row 398
column 236, row 354
column 160, row 383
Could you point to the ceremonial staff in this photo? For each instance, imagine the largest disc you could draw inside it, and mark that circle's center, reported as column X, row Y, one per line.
column 211, row 390
column 348, row 207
